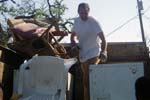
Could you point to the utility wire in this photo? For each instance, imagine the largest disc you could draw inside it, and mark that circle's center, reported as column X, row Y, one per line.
column 121, row 26
column 148, row 8
column 146, row 17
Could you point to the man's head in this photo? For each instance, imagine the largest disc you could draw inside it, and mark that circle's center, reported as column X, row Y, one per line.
column 83, row 11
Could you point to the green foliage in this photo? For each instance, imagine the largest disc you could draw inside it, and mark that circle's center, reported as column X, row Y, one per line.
column 50, row 10
column 3, row 38
column 58, row 10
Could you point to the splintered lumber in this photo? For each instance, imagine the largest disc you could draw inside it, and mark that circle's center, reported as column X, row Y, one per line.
column 11, row 57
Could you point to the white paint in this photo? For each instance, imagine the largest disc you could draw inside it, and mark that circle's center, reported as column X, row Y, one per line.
column 45, row 79
column 114, row 81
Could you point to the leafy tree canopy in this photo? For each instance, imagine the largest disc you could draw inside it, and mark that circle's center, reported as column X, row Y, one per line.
column 49, row 10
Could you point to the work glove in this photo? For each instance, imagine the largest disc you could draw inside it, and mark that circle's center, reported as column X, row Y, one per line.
column 103, row 56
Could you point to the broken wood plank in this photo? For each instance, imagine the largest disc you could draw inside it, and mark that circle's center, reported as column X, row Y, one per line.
column 11, row 57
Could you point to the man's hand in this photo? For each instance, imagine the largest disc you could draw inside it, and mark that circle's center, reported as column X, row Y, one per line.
column 103, row 56
column 74, row 46
column 75, row 50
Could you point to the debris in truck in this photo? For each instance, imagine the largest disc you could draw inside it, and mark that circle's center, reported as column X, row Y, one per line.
column 52, row 83
column 30, row 38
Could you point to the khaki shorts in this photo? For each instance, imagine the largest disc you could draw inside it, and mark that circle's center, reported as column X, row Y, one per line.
column 85, row 71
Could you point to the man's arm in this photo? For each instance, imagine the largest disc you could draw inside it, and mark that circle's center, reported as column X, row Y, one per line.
column 104, row 43
column 74, row 47
column 73, row 39
column 103, row 53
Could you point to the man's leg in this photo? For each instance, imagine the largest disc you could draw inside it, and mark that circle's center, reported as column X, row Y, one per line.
column 85, row 70
column 94, row 60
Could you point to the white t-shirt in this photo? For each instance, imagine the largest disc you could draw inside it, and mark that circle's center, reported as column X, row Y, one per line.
column 89, row 41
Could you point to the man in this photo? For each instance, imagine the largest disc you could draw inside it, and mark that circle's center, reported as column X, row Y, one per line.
column 89, row 33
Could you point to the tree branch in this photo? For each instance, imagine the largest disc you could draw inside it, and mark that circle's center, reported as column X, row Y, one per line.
column 50, row 6
column 3, row 1
column 65, row 27
column 7, row 0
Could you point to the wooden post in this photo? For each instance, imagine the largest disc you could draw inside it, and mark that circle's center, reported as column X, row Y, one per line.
column 11, row 61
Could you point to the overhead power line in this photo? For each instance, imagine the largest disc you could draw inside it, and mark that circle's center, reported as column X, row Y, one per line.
column 119, row 27
column 146, row 17
column 148, row 8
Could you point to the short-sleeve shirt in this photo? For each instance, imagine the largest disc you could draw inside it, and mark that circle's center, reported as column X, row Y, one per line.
column 89, row 41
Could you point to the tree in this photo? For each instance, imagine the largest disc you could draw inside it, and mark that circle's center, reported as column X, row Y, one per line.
column 7, row 0
column 49, row 10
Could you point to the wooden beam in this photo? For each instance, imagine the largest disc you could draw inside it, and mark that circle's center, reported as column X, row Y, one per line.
column 124, row 51
column 11, row 57
column 127, row 51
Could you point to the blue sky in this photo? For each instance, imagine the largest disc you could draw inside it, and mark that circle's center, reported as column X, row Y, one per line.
column 113, row 13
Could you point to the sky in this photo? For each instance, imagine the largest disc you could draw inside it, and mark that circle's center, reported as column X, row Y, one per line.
column 111, row 14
